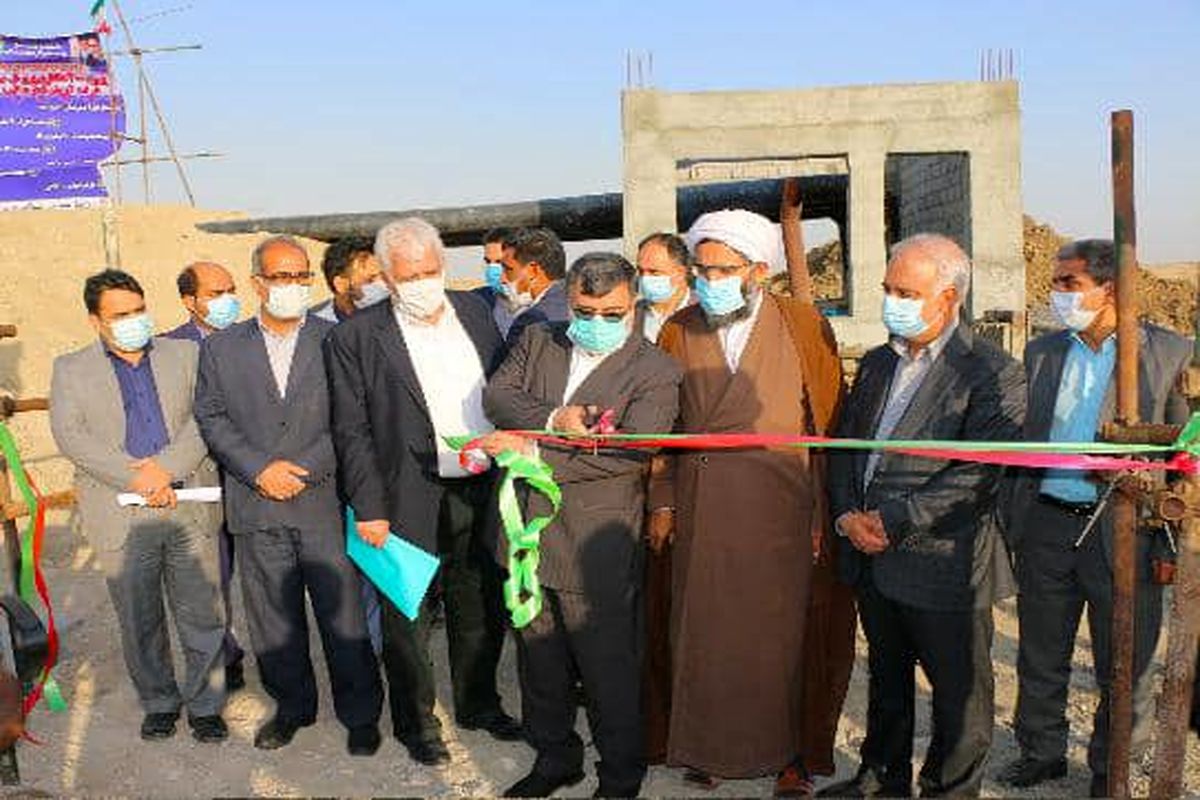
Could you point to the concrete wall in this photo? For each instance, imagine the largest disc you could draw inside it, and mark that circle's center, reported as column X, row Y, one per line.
column 933, row 195
column 862, row 124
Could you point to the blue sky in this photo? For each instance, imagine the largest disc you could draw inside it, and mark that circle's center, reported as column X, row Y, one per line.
column 388, row 104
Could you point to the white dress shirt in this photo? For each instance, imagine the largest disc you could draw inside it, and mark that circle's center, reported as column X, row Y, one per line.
column 452, row 380
column 736, row 336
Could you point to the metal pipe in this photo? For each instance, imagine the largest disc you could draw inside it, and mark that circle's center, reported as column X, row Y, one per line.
column 11, row 405
column 15, row 509
column 1140, row 434
column 1125, row 511
column 1175, row 702
column 578, row 218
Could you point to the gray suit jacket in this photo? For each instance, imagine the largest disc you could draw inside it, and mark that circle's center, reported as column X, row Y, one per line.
column 594, row 545
column 945, row 548
column 87, row 418
column 1162, row 359
column 247, row 426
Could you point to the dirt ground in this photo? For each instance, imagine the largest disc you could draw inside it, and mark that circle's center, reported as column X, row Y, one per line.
column 94, row 749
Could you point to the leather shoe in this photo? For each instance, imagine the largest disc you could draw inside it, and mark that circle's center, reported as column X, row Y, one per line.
column 867, row 783
column 1099, row 786
column 208, row 729
column 604, row 790
column 235, row 677
column 1027, row 771
column 430, row 752
column 535, row 784
column 363, row 740
column 500, row 725
column 278, row 733
column 156, row 727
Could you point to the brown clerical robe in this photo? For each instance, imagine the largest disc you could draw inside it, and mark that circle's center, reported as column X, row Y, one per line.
column 746, row 521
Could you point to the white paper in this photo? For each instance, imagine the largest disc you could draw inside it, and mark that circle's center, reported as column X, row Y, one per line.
column 199, row 494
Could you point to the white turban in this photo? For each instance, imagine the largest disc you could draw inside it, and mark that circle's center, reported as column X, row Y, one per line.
column 752, row 235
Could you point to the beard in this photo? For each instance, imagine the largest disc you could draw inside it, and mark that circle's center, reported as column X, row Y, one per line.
column 718, row 321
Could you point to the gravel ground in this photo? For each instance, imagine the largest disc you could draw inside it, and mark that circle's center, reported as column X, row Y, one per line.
column 94, row 749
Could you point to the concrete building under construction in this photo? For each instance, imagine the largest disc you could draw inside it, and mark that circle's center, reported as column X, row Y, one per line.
column 878, row 162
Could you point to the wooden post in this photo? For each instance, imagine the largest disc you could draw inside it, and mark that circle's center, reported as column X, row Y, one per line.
column 1125, row 509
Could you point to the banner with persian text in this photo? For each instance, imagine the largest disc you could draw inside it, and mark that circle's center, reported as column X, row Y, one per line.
column 60, row 115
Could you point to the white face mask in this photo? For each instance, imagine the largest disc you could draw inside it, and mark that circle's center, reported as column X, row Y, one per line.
column 289, row 301
column 421, row 299
column 1067, row 308
column 371, row 293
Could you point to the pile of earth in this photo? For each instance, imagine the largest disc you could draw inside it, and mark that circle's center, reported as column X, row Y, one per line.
column 1167, row 301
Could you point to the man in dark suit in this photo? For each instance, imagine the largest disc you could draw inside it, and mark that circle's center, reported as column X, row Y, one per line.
column 561, row 377
column 1072, row 384
column 918, row 541
column 262, row 403
column 207, row 291
column 534, row 265
column 404, row 375
column 495, row 242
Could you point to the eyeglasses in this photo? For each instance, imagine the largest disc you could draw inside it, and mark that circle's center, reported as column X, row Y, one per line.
column 720, row 270
column 608, row 316
column 287, row 277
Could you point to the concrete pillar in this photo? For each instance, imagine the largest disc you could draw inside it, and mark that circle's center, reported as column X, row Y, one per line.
column 650, row 176
column 867, row 251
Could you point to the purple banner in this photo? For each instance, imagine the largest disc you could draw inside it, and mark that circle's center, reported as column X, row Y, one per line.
column 59, row 117
column 38, row 133
column 52, row 187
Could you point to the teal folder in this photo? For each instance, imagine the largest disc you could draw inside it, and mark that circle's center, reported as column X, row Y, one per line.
column 400, row 570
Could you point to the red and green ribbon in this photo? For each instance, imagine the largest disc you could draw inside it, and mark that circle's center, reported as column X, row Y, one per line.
column 522, row 592
column 31, row 582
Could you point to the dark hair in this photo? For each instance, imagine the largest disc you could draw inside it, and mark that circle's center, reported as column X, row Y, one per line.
column 676, row 248
column 597, row 274
column 501, row 236
column 188, row 282
column 101, row 282
column 540, row 245
column 1098, row 255
column 339, row 256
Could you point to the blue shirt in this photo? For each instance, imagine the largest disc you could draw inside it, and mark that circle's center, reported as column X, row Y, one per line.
column 145, row 429
column 1086, row 376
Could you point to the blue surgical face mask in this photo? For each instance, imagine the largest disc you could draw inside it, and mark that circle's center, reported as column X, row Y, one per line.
column 1068, row 307
column 656, row 288
column 720, row 297
column 902, row 316
column 596, row 334
column 372, row 293
column 131, row 334
column 288, row 301
column 223, row 311
column 494, row 274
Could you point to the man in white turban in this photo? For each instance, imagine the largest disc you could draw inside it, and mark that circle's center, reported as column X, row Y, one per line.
column 747, row 525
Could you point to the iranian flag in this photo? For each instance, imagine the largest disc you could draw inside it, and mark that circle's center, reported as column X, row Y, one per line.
column 98, row 21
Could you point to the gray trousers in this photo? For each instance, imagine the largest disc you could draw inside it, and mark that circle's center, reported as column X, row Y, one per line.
column 168, row 564
column 1056, row 582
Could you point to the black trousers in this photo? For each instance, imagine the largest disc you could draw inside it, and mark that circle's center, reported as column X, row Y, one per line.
column 954, row 650
column 278, row 566
column 475, row 622
column 1056, row 581
column 600, row 642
